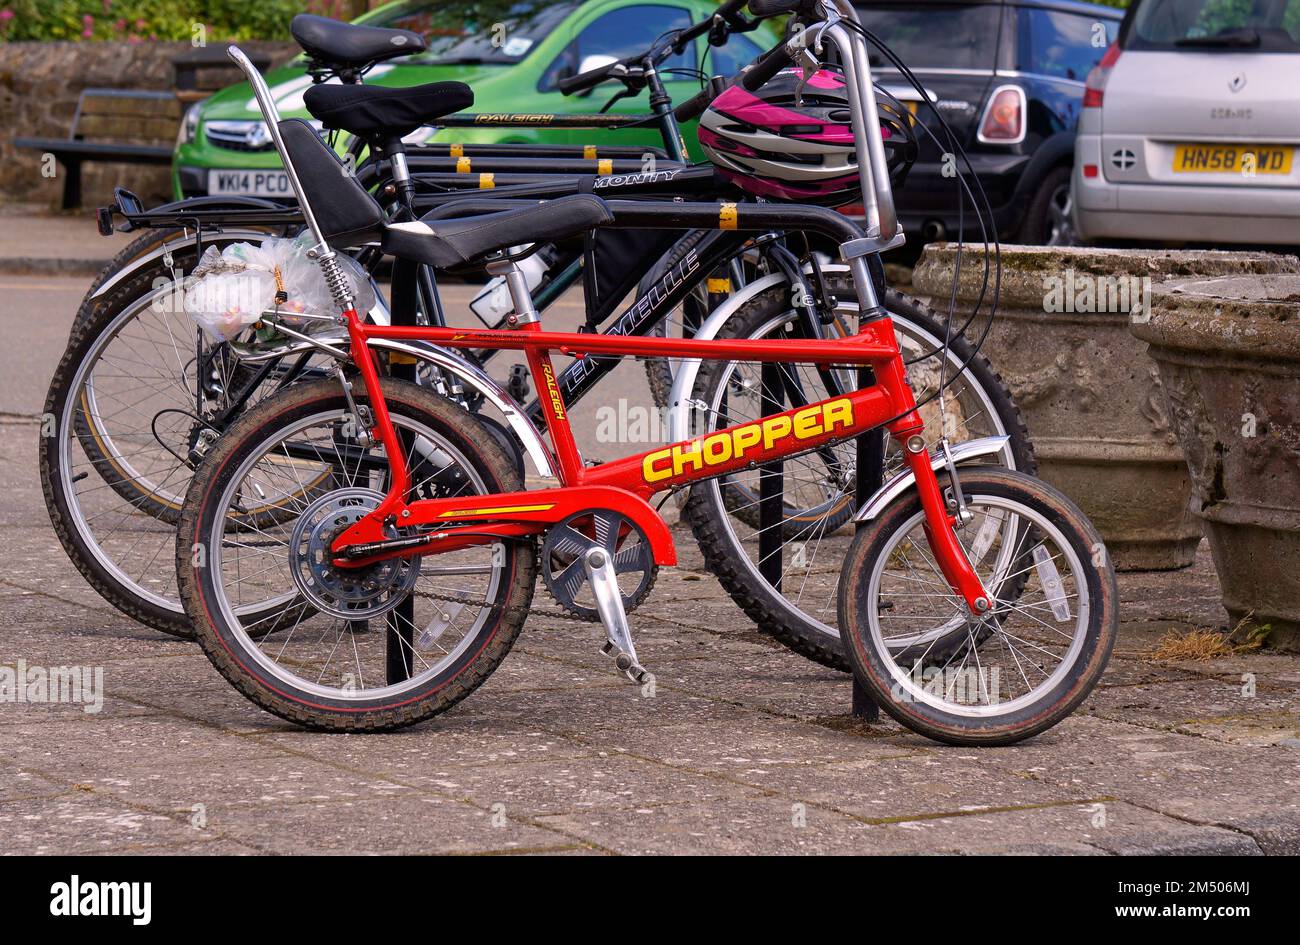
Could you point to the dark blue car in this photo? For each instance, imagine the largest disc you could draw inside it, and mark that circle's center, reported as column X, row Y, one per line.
column 1008, row 76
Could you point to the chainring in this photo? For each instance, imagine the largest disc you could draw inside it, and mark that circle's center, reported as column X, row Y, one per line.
column 566, row 544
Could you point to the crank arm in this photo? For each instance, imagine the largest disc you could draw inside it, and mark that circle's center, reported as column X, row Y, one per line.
column 599, row 565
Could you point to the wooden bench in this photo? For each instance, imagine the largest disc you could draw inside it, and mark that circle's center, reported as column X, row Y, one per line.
column 118, row 125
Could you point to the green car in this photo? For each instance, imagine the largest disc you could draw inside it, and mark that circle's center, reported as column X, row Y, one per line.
column 511, row 53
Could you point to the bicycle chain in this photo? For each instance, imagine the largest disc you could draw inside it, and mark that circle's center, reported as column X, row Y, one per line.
column 449, row 598
column 526, row 611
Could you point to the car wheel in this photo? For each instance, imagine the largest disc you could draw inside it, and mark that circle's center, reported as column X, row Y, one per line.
column 1048, row 221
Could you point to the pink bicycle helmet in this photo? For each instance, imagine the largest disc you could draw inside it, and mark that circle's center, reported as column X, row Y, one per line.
column 774, row 143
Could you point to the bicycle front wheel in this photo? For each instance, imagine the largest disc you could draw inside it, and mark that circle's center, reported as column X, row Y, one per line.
column 1023, row 666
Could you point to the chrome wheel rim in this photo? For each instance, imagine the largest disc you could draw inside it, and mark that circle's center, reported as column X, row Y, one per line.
column 1027, row 621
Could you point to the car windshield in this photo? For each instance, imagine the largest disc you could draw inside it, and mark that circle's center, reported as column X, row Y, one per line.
column 471, row 32
column 1208, row 25
column 935, row 36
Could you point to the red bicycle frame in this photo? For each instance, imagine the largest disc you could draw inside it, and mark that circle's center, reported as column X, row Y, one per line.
column 627, row 484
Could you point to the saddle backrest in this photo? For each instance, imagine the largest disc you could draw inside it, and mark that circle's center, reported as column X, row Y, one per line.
column 345, row 211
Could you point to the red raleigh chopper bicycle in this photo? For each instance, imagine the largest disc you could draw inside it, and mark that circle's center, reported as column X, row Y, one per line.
column 977, row 604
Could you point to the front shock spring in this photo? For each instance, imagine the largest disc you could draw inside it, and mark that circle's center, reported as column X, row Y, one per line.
column 336, row 280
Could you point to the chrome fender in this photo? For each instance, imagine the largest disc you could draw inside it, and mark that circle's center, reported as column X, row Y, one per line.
column 474, row 376
column 171, row 245
column 896, row 486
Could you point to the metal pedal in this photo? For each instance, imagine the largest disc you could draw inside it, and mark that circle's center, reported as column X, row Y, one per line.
column 599, row 565
column 626, row 664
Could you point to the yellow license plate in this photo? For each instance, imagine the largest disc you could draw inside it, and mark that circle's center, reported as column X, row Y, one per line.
column 1245, row 159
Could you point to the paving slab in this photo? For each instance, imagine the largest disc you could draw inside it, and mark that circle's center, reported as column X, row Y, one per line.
column 743, row 826
column 1090, row 828
column 740, row 747
column 446, row 741
column 750, row 747
column 1255, row 791
column 17, row 784
column 88, row 747
column 221, row 787
column 1225, row 710
column 599, row 781
column 411, row 824
column 84, row 822
column 896, row 789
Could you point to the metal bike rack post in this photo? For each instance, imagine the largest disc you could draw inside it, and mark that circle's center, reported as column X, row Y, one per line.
column 771, row 486
column 399, row 623
column 882, row 227
column 870, row 473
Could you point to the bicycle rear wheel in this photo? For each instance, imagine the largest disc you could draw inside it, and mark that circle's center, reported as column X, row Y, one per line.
column 344, row 649
column 116, row 466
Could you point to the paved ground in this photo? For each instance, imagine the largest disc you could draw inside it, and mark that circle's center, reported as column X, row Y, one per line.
column 54, row 243
column 744, row 748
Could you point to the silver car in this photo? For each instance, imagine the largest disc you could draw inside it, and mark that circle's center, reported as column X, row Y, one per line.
column 1190, row 126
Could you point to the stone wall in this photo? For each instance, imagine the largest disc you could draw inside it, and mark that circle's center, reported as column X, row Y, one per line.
column 39, row 87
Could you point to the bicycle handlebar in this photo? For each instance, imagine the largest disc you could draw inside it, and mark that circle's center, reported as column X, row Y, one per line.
column 766, row 8
column 694, row 106
column 732, row 21
column 756, row 74
column 766, row 66
column 570, row 85
column 751, row 77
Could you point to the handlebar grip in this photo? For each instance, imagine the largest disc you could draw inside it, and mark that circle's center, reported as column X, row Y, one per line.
column 731, row 6
column 768, row 65
column 765, row 8
column 694, row 106
column 586, row 80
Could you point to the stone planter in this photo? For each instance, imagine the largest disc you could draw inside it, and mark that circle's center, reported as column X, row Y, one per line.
column 1091, row 397
column 1228, row 351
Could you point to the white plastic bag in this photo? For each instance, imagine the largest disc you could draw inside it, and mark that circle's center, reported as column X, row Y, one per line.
column 231, row 289
column 224, row 303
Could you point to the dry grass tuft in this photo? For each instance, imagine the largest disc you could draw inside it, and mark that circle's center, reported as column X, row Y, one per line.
column 1203, row 645
column 1195, row 645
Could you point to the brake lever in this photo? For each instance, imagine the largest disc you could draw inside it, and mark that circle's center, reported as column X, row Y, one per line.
column 811, row 65
column 718, row 31
column 624, row 92
column 620, row 94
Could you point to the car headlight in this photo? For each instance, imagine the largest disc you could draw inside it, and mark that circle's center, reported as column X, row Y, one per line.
column 189, row 125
